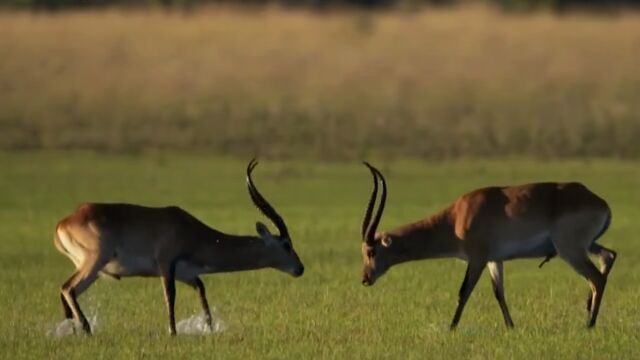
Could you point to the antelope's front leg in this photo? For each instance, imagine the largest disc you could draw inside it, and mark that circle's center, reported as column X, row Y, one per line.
column 497, row 281
column 204, row 303
column 471, row 277
column 198, row 285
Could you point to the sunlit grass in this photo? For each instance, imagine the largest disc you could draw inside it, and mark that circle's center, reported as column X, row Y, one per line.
column 326, row 313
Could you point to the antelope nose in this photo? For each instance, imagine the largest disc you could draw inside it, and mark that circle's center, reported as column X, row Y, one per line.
column 366, row 282
column 300, row 271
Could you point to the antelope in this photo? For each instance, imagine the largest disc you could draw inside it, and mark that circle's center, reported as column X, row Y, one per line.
column 120, row 240
column 488, row 226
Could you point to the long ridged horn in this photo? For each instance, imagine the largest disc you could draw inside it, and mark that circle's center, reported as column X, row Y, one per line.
column 369, row 230
column 262, row 204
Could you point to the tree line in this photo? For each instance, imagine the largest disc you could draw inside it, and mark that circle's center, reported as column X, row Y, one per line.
column 515, row 5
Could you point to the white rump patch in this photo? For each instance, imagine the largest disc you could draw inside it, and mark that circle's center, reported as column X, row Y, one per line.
column 197, row 325
column 74, row 252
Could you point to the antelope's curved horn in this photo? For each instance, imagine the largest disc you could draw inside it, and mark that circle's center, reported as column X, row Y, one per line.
column 372, row 200
column 373, row 225
column 262, row 204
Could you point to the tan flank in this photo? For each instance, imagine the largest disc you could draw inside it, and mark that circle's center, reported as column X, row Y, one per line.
column 490, row 225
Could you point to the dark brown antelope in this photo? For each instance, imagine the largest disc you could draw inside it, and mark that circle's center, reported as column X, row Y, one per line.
column 119, row 240
column 490, row 225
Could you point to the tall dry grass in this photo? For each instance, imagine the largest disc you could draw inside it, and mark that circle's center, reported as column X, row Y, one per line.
column 448, row 82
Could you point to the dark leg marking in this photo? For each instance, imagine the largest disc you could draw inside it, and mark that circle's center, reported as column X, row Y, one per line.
column 471, row 277
column 169, row 286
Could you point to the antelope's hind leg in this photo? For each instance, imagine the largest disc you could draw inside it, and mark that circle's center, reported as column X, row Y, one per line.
column 606, row 258
column 573, row 239
column 581, row 263
column 68, row 314
column 76, row 285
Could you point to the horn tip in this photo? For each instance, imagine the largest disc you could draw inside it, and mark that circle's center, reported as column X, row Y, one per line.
column 373, row 170
column 252, row 164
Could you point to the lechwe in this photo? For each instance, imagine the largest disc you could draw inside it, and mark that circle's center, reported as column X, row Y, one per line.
column 121, row 240
column 488, row 226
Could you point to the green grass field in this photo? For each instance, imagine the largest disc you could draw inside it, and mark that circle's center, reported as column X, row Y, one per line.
column 326, row 313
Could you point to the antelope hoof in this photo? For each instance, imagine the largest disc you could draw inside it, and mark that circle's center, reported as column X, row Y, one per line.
column 86, row 327
column 510, row 326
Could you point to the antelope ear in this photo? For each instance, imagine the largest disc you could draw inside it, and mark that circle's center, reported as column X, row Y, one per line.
column 262, row 230
column 386, row 240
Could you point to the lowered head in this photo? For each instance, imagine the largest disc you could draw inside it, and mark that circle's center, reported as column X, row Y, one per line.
column 285, row 258
column 375, row 246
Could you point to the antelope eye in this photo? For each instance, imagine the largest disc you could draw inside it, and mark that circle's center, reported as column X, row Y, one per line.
column 371, row 253
column 287, row 247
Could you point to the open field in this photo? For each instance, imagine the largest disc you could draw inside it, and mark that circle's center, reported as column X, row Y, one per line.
column 326, row 313
column 436, row 83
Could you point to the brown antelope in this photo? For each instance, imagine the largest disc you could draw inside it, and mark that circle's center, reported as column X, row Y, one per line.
column 119, row 240
column 490, row 225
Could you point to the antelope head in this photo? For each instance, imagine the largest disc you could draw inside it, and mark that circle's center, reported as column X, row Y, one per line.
column 375, row 246
column 283, row 256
